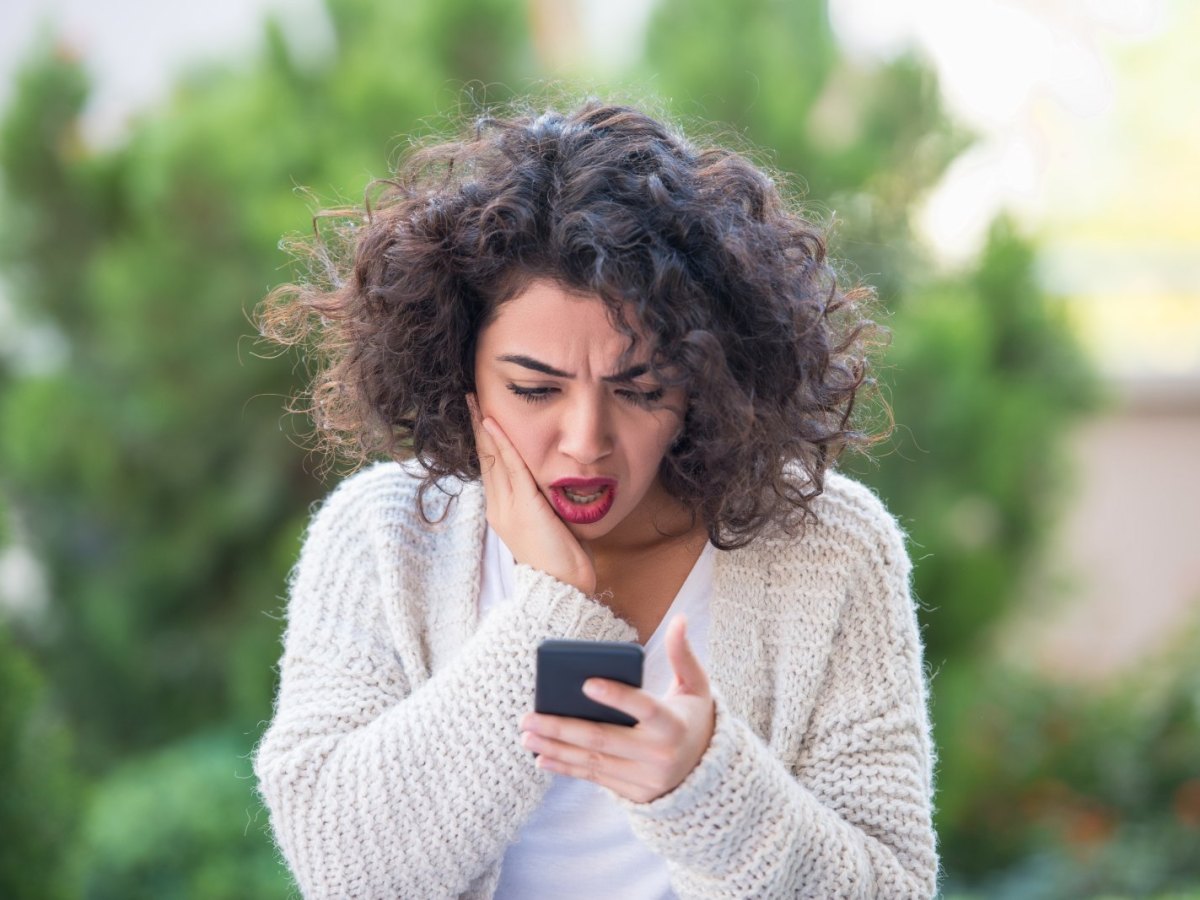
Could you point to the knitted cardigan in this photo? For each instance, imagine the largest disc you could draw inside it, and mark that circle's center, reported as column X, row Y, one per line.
column 393, row 767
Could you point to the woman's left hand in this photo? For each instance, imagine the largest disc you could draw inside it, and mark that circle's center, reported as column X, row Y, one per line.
column 647, row 760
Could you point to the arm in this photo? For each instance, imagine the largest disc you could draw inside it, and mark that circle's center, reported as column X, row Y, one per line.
column 851, row 816
column 377, row 789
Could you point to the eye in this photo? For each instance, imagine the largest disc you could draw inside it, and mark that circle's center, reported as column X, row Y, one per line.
column 643, row 399
column 534, row 394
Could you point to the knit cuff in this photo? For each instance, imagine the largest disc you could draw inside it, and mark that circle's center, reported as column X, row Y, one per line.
column 702, row 783
column 565, row 610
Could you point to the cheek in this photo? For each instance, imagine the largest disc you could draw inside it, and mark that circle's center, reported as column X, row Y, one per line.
column 650, row 446
column 528, row 432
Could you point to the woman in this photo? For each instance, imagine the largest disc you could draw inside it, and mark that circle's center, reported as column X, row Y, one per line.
column 613, row 372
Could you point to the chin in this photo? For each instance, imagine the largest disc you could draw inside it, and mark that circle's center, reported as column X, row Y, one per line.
column 594, row 530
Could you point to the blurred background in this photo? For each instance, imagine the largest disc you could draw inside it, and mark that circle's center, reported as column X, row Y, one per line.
column 1017, row 178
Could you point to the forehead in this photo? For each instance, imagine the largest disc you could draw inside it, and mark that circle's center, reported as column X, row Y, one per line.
column 545, row 315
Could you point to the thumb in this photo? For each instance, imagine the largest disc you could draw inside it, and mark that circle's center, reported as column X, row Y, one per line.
column 690, row 677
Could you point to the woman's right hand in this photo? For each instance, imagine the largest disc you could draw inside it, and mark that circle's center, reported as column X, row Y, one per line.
column 520, row 514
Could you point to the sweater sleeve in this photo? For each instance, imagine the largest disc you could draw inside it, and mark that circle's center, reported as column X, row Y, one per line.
column 377, row 787
column 851, row 817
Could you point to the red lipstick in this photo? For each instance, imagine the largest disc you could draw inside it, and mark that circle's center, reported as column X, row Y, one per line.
column 582, row 501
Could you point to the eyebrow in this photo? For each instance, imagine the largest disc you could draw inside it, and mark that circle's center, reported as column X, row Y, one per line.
column 529, row 362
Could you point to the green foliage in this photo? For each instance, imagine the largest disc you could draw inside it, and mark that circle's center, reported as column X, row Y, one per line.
column 54, row 203
column 863, row 144
column 1062, row 793
column 181, row 823
column 41, row 791
column 984, row 376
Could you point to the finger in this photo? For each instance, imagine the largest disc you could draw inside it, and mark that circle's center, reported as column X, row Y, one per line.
column 583, row 757
column 690, row 677
column 476, row 422
column 636, row 742
column 485, row 447
column 640, row 771
column 518, row 473
column 624, row 697
column 601, row 775
column 602, row 737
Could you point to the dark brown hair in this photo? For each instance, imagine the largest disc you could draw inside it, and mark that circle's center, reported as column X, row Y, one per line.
column 695, row 245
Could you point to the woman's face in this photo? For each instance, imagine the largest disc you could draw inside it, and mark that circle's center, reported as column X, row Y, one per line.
column 546, row 369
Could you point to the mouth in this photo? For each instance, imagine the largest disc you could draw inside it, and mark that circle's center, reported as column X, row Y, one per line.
column 583, row 501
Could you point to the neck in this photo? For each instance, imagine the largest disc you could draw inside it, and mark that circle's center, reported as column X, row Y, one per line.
column 658, row 522
column 641, row 565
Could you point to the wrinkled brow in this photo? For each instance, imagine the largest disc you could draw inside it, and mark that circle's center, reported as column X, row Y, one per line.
column 529, row 362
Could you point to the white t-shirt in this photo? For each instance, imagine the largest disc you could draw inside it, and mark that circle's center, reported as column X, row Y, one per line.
column 578, row 843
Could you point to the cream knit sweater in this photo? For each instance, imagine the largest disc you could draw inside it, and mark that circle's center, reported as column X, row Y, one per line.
column 393, row 767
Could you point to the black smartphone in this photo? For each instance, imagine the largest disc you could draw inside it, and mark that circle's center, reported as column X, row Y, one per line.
column 563, row 665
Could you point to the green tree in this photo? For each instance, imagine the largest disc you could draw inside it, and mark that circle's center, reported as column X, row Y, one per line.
column 41, row 793
column 861, row 144
column 984, row 376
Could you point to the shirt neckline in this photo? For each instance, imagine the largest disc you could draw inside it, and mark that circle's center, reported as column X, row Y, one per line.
column 508, row 564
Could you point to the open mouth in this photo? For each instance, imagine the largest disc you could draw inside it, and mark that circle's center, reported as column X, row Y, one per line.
column 583, row 502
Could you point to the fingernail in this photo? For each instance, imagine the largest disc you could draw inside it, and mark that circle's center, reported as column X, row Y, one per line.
column 593, row 688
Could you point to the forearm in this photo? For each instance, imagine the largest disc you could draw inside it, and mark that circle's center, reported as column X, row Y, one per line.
column 742, row 826
column 415, row 795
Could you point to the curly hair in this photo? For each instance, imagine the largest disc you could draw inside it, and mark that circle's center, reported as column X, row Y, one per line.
column 697, row 246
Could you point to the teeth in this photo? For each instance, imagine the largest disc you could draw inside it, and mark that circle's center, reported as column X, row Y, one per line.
column 583, row 498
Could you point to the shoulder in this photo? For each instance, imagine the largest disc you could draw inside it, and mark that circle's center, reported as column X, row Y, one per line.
column 384, row 501
column 858, row 544
column 850, row 511
column 851, row 535
column 373, row 487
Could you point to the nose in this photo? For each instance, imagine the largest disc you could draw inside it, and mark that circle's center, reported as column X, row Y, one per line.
column 585, row 431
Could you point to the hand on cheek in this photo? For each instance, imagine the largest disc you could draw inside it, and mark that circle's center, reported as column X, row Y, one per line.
column 520, row 514
column 648, row 760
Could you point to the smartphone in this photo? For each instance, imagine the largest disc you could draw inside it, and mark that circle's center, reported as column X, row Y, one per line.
column 563, row 665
